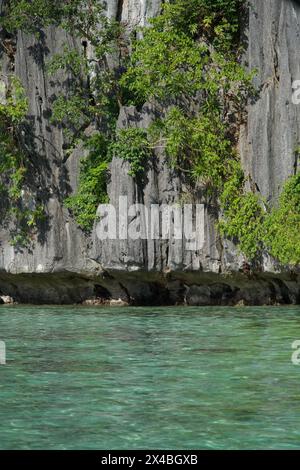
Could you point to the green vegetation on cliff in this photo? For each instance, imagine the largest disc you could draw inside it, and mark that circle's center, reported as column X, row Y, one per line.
column 13, row 164
column 187, row 64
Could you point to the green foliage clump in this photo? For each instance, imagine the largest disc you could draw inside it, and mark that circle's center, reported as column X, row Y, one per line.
column 217, row 20
column 260, row 228
column 15, row 107
column 29, row 15
column 282, row 225
column 92, row 183
column 13, row 110
column 243, row 213
column 78, row 17
column 13, row 161
column 243, row 222
column 132, row 145
column 26, row 223
column 196, row 144
column 175, row 57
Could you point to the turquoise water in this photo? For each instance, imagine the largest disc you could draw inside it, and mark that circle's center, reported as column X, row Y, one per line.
column 134, row 378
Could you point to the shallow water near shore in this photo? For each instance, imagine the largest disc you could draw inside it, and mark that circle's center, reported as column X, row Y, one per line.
column 149, row 378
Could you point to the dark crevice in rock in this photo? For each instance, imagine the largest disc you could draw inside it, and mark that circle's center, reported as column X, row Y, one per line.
column 101, row 292
column 124, row 289
column 119, row 10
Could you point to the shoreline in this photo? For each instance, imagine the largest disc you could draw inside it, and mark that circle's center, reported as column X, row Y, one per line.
column 150, row 289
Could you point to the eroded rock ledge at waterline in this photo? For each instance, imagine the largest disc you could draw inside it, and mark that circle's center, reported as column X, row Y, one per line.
column 137, row 288
column 66, row 266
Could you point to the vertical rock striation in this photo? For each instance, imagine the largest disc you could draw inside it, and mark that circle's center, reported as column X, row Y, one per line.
column 272, row 134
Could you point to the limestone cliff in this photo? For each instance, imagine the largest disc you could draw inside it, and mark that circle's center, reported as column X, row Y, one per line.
column 65, row 265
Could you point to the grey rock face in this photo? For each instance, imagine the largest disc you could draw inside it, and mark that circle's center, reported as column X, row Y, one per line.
column 272, row 134
column 64, row 265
